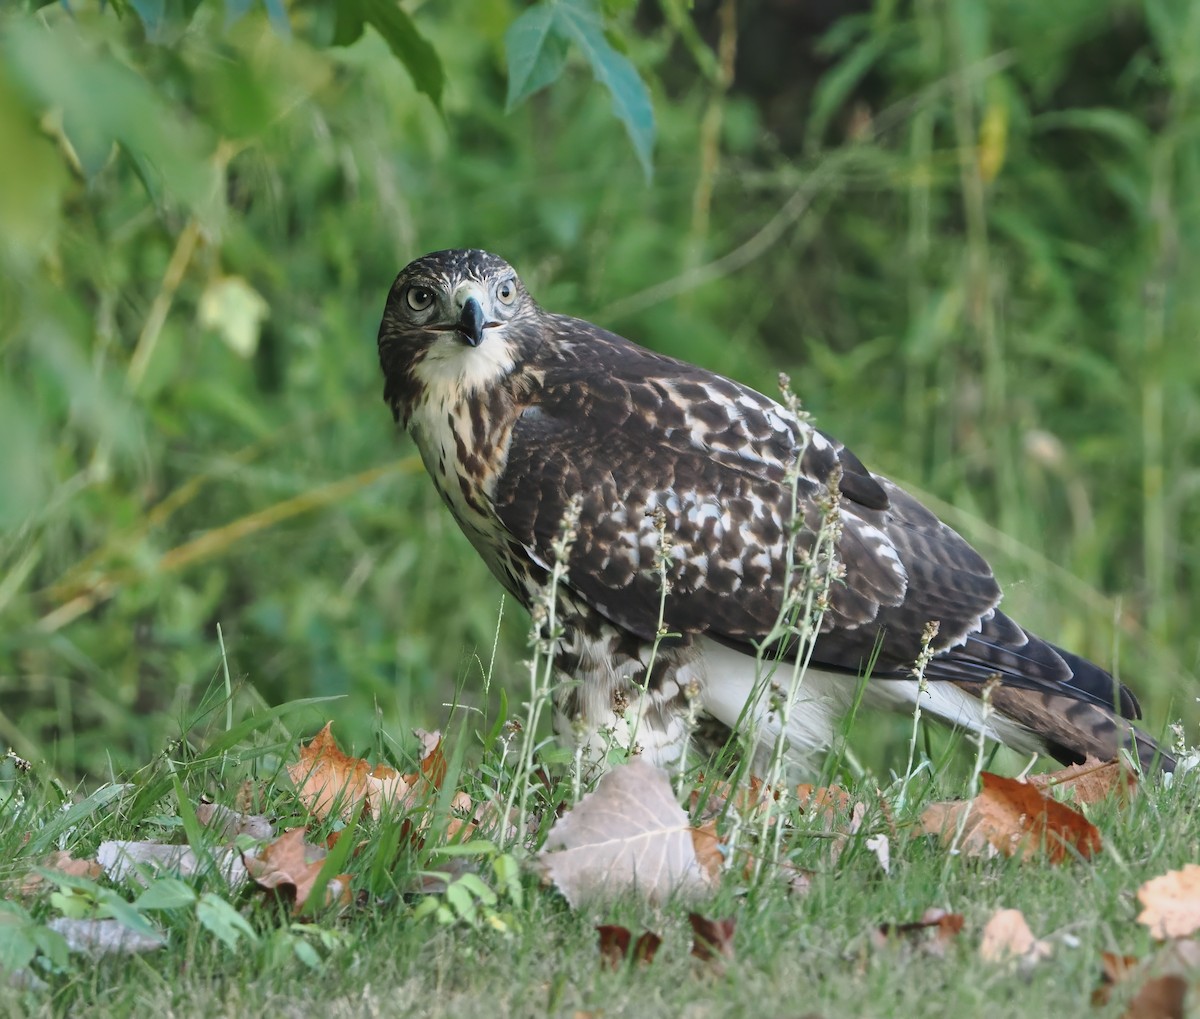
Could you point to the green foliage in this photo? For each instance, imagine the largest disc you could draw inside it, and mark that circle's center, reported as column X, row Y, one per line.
column 537, row 52
column 968, row 232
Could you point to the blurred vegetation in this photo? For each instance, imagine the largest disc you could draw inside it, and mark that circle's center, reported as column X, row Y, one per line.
column 969, row 232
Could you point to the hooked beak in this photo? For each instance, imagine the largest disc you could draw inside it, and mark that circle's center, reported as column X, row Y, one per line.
column 470, row 322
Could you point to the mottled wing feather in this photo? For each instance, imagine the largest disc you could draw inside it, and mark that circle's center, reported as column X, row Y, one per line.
column 637, row 433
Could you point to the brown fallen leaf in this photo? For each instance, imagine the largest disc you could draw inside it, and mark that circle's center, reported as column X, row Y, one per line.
column 229, row 824
column 1093, row 781
column 98, row 938
column 934, row 933
column 1159, row 998
column 64, row 863
column 1013, row 818
column 1007, row 936
column 131, row 862
column 1172, row 903
column 707, row 844
column 628, row 835
column 290, row 866
column 712, row 939
column 1114, row 969
column 615, row 941
column 329, row 781
column 828, row 803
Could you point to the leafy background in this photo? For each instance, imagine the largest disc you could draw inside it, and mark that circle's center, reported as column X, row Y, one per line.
column 967, row 231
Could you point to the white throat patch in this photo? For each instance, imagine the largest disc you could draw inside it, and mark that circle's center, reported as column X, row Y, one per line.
column 453, row 370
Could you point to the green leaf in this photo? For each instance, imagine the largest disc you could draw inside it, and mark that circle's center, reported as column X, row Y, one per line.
column 537, row 53
column 631, row 99
column 165, row 893
column 536, row 46
column 220, row 919
column 233, row 308
column 164, row 20
column 17, row 947
column 412, row 48
column 349, row 21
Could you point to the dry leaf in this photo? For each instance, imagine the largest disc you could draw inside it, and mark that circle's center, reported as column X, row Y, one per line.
column 712, row 939
column 629, row 835
column 127, row 862
column 229, row 824
column 1013, row 818
column 841, row 840
column 881, row 847
column 290, row 866
column 937, row 929
column 329, row 781
column 1159, row 998
column 63, row 862
column 1172, row 903
column 1007, row 936
column 709, row 853
column 615, row 941
column 827, row 802
column 1114, row 969
column 96, row 938
column 1093, row 781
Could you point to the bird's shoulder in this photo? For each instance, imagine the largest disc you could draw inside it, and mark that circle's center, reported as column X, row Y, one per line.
column 595, row 387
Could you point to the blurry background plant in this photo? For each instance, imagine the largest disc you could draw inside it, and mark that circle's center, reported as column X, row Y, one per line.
column 968, row 231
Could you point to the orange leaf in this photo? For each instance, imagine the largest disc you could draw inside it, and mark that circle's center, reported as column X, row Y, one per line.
column 1093, row 781
column 711, row 939
column 1172, row 903
column 1013, row 818
column 615, row 941
column 290, row 866
column 1159, row 998
column 1006, row 936
column 707, row 844
column 327, row 780
column 63, row 862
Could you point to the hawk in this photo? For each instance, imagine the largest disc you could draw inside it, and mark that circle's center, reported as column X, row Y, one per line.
column 691, row 499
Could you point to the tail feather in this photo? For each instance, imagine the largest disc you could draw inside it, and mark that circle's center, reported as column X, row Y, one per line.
column 1073, row 706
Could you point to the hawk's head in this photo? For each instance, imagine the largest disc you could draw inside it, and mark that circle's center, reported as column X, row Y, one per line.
column 452, row 324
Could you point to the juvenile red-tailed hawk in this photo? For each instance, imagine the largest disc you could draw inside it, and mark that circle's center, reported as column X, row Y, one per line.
column 517, row 412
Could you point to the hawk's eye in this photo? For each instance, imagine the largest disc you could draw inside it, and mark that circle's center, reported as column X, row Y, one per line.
column 418, row 298
column 507, row 291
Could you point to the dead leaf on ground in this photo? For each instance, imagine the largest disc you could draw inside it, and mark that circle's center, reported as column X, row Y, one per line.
column 329, row 781
column 628, row 835
column 64, row 863
column 1172, row 903
column 1159, row 998
column 229, row 824
column 615, row 942
column 1007, row 936
column 709, row 854
column 96, row 938
column 1013, row 818
column 290, row 866
column 1175, row 958
column 841, row 840
column 830, row 803
column 712, row 939
column 1114, row 970
column 1093, row 781
column 131, row 862
column 934, row 933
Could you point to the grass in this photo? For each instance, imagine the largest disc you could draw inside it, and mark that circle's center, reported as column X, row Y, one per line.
column 967, row 236
column 794, row 954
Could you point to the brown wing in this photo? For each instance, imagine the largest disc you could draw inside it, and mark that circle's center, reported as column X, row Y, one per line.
column 636, row 433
